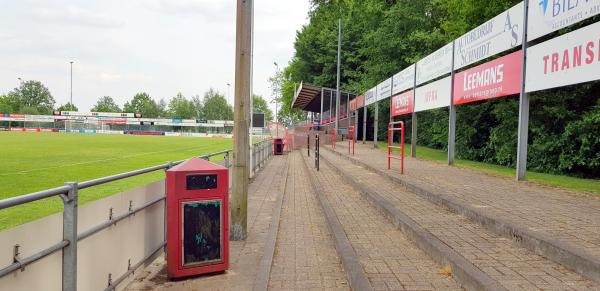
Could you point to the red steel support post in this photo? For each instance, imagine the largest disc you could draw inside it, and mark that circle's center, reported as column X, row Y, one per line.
column 391, row 130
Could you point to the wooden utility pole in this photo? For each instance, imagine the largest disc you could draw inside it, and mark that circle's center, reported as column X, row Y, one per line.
column 241, row 119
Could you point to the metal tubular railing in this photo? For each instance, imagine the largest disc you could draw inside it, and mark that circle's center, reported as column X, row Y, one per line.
column 69, row 196
column 351, row 140
column 317, row 151
column 391, row 129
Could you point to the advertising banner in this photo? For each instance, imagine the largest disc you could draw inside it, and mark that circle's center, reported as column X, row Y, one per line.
column 433, row 95
column 434, row 65
column 569, row 59
column 384, row 89
column 403, row 80
column 500, row 77
column 370, row 97
column 403, row 103
column 498, row 34
column 546, row 16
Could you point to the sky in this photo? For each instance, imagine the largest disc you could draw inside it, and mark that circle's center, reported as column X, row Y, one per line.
column 120, row 48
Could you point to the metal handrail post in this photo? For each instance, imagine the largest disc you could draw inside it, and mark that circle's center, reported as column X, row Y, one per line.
column 227, row 160
column 316, row 145
column 69, row 261
column 308, row 143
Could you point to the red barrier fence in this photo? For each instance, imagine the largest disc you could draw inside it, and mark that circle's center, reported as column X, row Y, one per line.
column 334, row 138
column 391, row 128
column 351, row 139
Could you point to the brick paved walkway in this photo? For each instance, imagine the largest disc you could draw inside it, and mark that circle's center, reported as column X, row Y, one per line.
column 566, row 219
column 305, row 255
column 245, row 256
column 513, row 267
column 390, row 260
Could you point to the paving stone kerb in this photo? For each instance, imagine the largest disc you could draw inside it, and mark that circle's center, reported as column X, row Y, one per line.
column 261, row 281
column 305, row 256
column 478, row 256
column 390, row 260
column 558, row 224
column 356, row 275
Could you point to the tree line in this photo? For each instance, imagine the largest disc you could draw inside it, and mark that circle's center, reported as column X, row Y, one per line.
column 382, row 37
column 32, row 97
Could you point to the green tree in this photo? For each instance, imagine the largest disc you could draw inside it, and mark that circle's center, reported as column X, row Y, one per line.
column 180, row 107
column 67, row 107
column 198, row 107
column 106, row 104
column 29, row 110
column 215, row 106
column 32, row 94
column 145, row 105
column 259, row 104
column 5, row 105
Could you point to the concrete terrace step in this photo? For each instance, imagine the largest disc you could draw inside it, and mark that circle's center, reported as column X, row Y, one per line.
column 480, row 258
column 563, row 226
column 305, row 254
column 386, row 256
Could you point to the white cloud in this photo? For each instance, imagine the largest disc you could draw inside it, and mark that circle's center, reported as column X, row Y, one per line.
column 121, row 47
column 74, row 15
column 210, row 10
column 115, row 77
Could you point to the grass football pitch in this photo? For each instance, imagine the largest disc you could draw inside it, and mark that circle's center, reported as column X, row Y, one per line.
column 31, row 162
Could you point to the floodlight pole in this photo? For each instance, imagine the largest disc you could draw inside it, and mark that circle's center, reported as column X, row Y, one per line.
column 71, row 62
column 241, row 116
column 337, row 91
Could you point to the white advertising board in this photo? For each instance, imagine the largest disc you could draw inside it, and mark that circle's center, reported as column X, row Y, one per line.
column 370, row 96
column 403, row 80
column 384, row 89
column 434, row 65
column 433, row 95
column 498, row 34
column 546, row 16
column 569, row 59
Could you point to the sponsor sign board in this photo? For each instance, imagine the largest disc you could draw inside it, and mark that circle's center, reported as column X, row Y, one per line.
column 434, row 65
column 370, row 96
column 403, row 103
column 500, row 77
column 433, row 95
column 569, row 59
column 498, row 34
column 105, row 114
column 403, row 80
column 384, row 89
column 546, row 16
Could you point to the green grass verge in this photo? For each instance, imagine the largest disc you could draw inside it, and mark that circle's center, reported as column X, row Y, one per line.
column 36, row 161
column 561, row 181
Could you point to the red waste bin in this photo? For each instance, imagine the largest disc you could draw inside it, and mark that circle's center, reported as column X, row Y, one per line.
column 278, row 146
column 197, row 219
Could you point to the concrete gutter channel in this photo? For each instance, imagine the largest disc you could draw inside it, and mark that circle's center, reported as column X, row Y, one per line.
column 468, row 275
column 354, row 271
column 261, row 281
column 575, row 259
